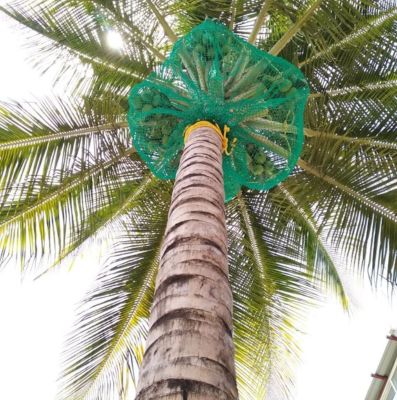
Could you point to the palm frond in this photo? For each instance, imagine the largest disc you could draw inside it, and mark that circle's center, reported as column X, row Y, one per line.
column 189, row 14
column 64, row 175
column 268, row 296
column 387, row 87
column 82, row 28
column 369, row 28
column 320, row 258
column 358, row 214
column 73, row 32
column 117, row 14
column 110, row 333
column 104, row 222
column 65, row 215
column 42, row 143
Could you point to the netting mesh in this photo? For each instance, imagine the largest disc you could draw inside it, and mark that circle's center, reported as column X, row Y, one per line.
column 213, row 75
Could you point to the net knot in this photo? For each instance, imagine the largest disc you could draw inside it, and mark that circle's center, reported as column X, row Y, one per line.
column 223, row 135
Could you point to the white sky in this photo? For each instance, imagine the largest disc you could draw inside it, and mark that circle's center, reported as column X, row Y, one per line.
column 339, row 352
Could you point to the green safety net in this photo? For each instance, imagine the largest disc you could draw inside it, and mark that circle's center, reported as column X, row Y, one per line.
column 214, row 75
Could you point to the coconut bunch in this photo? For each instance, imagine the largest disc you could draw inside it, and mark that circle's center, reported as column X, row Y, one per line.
column 158, row 127
column 259, row 163
column 148, row 99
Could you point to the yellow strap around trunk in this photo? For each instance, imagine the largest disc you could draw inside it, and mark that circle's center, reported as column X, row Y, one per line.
column 206, row 124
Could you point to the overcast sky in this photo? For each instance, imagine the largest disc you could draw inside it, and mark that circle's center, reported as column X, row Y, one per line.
column 339, row 351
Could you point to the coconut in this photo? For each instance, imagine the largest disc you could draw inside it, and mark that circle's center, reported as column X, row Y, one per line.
column 269, row 170
column 147, row 107
column 260, row 158
column 156, row 100
column 147, row 96
column 227, row 49
column 285, row 85
column 157, row 117
column 258, row 169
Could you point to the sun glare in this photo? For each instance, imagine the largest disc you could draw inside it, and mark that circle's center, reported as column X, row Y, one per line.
column 114, row 40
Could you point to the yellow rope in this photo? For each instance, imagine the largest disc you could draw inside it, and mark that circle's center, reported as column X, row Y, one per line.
column 206, row 124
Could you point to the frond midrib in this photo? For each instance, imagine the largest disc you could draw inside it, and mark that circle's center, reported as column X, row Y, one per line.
column 351, row 90
column 351, row 139
column 52, row 196
column 162, row 21
column 260, row 19
column 46, row 138
column 294, row 28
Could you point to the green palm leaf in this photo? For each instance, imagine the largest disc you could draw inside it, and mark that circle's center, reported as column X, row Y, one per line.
column 51, row 169
column 110, row 333
column 270, row 288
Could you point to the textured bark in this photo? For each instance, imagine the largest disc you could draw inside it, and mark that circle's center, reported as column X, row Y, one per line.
column 189, row 352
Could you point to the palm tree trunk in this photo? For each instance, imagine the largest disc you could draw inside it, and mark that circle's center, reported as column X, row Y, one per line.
column 189, row 351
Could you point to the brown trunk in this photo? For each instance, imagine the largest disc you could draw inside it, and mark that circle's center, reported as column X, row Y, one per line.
column 189, row 351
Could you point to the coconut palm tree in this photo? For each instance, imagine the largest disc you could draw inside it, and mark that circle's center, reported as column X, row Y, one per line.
column 70, row 175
